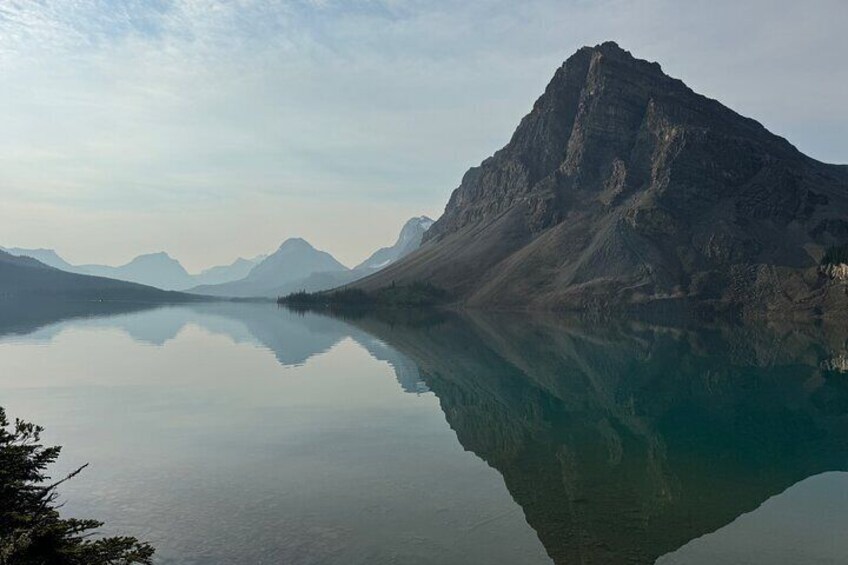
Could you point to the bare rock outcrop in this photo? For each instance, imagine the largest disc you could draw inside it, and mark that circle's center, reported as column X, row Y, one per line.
column 624, row 188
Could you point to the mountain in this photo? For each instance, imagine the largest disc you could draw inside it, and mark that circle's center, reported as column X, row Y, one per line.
column 46, row 256
column 162, row 271
column 294, row 259
column 408, row 241
column 27, row 278
column 235, row 271
column 623, row 188
column 298, row 266
column 279, row 273
column 154, row 269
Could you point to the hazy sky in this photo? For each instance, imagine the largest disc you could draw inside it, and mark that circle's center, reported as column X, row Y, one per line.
column 213, row 130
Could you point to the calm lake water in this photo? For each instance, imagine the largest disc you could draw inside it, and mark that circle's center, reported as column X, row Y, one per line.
column 247, row 434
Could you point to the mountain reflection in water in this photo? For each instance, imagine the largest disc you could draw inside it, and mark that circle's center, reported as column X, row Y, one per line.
column 621, row 442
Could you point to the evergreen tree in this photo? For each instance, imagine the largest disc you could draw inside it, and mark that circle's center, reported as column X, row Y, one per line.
column 31, row 530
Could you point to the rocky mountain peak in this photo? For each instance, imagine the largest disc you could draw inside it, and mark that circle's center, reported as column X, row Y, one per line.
column 414, row 227
column 621, row 177
column 409, row 239
column 603, row 123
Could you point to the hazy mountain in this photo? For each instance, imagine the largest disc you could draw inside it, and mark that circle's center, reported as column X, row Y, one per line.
column 24, row 277
column 279, row 273
column 298, row 266
column 154, row 269
column 46, row 256
column 235, row 271
column 408, row 241
column 294, row 259
column 623, row 187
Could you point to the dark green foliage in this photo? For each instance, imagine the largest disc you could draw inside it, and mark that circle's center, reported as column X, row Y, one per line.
column 344, row 297
column 31, row 530
column 835, row 255
column 413, row 295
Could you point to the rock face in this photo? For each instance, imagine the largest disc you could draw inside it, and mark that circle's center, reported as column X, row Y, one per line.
column 408, row 241
column 836, row 272
column 624, row 187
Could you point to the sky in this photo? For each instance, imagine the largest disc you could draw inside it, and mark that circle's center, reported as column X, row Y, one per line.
column 217, row 129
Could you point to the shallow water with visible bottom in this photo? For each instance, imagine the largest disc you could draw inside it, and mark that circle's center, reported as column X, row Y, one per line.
column 243, row 433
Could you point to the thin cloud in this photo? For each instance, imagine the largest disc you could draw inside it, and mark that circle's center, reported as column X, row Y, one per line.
column 139, row 108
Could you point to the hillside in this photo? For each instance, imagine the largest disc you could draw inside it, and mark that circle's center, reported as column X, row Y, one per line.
column 25, row 278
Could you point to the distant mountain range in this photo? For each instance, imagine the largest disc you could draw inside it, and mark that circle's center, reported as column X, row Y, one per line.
column 154, row 269
column 295, row 259
column 236, row 270
column 296, row 265
column 25, row 277
column 623, row 189
column 46, row 256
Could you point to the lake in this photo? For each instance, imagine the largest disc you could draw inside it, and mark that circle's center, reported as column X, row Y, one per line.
column 231, row 433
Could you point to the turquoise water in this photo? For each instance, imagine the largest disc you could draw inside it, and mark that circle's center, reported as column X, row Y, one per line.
column 243, row 433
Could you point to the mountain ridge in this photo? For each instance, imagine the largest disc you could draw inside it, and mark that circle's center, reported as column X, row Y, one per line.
column 409, row 239
column 294, row 260
column 153, row 269
column 265, row 276
column 171, row 276
column 277, row 276
column 624, row 187
column 27, row 278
